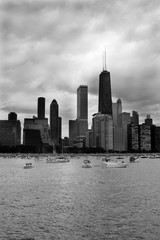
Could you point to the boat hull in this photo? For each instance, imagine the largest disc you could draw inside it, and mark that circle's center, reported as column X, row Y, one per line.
column 57, row 160
column 86, row 166
column 28, row 165
column 116, row 165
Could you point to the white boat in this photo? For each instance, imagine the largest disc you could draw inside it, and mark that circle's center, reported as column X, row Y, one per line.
column 118, row 164
column 143, row 156
column 57, row 159
column 86, row 163
column 28, row 165
column 155, row 156
column 112, row 164
column 120, row 157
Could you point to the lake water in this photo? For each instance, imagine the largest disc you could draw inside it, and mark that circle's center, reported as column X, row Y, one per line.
column 65, row 201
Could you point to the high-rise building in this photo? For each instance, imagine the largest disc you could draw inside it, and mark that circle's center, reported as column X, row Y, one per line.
column 36, row 133
column 41, row 108
column 82, row 114
column 119, row 113
column 105, row 96
column 126, row 120
column 145, row 138
column 10, row 131
column 89, row 138
column 55, row 123
column 59, row 129
column 102, row 127
column 36, row 129
column 155, row 138
column 117, row 125
column 32, row 138
column 114, row 113
column 148, row 120
column 135, row 117
column 82, row 102
column 72, row 132
column 118, row 139
column 133, row 138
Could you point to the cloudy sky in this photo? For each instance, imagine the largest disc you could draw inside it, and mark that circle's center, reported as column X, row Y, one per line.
column 50, row 47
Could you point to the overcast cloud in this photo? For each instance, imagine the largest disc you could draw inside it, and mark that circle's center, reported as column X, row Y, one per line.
column 49, row 48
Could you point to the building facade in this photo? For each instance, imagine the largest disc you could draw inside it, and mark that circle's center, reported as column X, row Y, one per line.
column 117, row 126
column 102, row 128
column 41, row 108
column 72, row 132
column 82, row 102
column 105, row 96
column 135, row 117
column 81, row 123
column 148, row 120
column 36, row 125
column 126, row 120
column 55, row 123
column 10, row 131
column 145, row 138
column 133, row 138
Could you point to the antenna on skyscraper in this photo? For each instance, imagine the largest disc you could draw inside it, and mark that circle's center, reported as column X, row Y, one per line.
column 104, row 60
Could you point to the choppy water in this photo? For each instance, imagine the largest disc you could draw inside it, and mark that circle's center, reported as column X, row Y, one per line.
column 65, row 201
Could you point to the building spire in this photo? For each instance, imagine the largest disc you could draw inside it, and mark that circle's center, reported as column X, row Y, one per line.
column 105, row 60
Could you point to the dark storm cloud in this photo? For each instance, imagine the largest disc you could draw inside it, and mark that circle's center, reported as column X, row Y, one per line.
column 49, row 48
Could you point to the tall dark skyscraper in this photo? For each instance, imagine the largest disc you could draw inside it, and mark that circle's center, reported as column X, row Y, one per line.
column 105, row 96
column 55, row 123
column 135, row 117
column 82, row 102
column 41, row 108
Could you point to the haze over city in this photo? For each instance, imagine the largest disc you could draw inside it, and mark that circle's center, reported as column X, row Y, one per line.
column 49, row 48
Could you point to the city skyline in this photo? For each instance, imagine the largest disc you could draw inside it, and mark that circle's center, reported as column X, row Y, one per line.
column 46, row 55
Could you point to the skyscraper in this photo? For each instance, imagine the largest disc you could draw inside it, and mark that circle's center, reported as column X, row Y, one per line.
column 148, row 120
column 105, row 96
column 82, row 114
column 102, row 127
column 145, row 137
column 55, row 123
column 117, row 125
column 72, row 132
column 41, row 108
column 126, row 120
column 82, row 102
column 135, row 117
column 36, row 133
column 117, row 113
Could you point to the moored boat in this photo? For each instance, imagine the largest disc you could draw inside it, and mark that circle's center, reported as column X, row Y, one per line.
column 155, row 156
column 143, row 156
column 57, row 159
column 86, row 163
column 28, row 165
column 120, row 157
column 112, row 164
